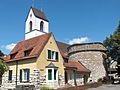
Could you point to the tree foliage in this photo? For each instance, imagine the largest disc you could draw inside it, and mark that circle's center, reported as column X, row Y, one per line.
column 112, row 44
column 1, row 53
column 3, row 68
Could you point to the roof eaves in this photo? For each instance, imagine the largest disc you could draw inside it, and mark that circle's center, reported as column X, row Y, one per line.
column 22, row 58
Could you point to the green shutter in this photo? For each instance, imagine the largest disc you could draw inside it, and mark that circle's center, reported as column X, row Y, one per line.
column 28, row 74
column 49, row 54
column 56, row 56
column 10, row 75
column 49, row 74
column 20, row 74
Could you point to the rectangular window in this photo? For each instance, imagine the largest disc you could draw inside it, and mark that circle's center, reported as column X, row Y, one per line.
column 49, row 74
column 27, row 52
column 12, row 56
column 10, row 75
column 52, row 55
column 55, row 71
column 26, row 74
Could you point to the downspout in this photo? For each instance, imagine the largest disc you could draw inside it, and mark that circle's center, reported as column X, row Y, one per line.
column 16, row 71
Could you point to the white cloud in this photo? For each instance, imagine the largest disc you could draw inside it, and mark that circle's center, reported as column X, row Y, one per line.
column 78, row 40
column 9, row 46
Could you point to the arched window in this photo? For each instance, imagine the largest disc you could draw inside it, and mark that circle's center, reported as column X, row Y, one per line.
column 41, row 26
column 30, row 26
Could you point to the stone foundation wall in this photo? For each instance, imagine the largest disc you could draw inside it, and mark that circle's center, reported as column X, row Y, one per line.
column 35, row 79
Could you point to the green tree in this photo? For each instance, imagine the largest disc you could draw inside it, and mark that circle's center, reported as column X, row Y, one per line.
column 112, row 44
column 1, row 53
column 3, row 69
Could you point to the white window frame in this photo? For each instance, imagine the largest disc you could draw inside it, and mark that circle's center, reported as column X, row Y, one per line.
column 54, row 56
column 24, row 78
column 25, row 74
column 52, row 74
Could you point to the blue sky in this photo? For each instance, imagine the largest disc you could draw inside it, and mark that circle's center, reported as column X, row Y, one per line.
column 70, row 20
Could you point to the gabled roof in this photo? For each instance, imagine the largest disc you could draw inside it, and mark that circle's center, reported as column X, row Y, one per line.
column 51, row 65
column 63, row 48
column 36, row 44
column 76, row 65
column 39, row 14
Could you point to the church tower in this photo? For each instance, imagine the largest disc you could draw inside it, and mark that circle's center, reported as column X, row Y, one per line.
column 36, row 23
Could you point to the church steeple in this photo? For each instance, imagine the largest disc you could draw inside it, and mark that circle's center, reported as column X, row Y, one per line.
column 36, row 23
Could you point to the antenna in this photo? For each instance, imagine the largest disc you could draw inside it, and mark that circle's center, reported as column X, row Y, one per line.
column 33, row 2
column 41, row 6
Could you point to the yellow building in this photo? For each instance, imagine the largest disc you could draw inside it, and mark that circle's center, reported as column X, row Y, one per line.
column 40, row 60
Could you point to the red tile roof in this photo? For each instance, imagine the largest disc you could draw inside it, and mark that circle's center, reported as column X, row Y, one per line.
column 77, row 66
column 63, row 48
column 36, row 44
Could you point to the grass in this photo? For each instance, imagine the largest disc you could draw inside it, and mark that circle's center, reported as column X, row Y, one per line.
column 46, row 88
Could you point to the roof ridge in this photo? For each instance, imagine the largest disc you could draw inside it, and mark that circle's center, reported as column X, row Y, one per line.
column 35, row 37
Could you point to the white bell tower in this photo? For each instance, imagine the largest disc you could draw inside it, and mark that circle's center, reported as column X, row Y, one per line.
column 36, row 23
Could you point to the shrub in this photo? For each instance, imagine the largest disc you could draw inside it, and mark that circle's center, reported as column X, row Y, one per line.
column 46, row 88
column 100, row 80
column 104, row 80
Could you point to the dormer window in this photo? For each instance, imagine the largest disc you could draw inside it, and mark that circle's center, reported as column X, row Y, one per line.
column 41, row 26
column 27, row 52
column 30, row 26
column 12, row 56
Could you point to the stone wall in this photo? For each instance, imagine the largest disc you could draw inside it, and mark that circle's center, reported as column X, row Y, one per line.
column 91, row 56
column 34, row 80
column 79, row 78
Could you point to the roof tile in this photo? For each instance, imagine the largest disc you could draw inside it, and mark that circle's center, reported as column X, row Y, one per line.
column 77, row 65
column 36, row 44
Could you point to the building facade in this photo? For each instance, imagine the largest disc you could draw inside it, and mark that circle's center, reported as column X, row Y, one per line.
column 40, row 60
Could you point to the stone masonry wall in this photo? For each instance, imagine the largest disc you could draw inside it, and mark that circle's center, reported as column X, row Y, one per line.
column 91, row 57
column 34, row 80
column 93, row 61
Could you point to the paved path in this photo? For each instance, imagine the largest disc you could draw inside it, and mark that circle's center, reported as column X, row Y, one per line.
column 107, row 87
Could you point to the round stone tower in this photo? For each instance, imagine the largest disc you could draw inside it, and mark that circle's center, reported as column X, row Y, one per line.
column 92, row 56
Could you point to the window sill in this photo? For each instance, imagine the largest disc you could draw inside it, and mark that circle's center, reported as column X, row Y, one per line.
column 51, row 80
column 52, row 60
column 24, row 81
